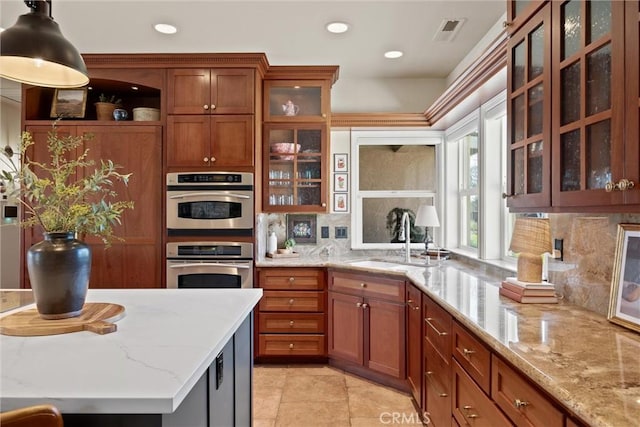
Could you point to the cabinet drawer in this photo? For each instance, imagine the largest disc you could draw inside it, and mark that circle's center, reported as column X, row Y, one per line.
column 437, row 386
column 470, row 406
column 274, row 323
column 292, row 345
column 521, row 401
column 437, row 327
column 291, row 279
column 367, row 286
column 292, row 301
column 473, row 356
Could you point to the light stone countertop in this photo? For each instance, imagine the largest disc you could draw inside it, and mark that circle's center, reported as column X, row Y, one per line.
column 589, row 364
column 164, row 344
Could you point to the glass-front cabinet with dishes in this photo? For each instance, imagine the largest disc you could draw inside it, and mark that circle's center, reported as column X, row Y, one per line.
column 295, row 166
column 296, row 116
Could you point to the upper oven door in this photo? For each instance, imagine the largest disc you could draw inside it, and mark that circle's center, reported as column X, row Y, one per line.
column 212, row 212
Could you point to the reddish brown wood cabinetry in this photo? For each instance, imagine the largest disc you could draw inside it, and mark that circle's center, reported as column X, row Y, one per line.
column 135, row 262
column 367, row 322
column 414, row 341
column 210, row 91
column 291, row 314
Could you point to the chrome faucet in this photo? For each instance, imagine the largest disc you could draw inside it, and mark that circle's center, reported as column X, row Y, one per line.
column 405, row 234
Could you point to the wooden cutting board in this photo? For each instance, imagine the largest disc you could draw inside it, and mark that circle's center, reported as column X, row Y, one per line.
column 96, row 317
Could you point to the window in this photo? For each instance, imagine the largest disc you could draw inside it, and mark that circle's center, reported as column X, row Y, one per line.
column 469, row 200
column 395, row 171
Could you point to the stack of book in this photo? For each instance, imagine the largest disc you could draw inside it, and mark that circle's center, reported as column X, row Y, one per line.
column 527, row 292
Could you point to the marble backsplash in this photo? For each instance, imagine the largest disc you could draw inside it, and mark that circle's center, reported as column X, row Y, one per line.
column 583, row 277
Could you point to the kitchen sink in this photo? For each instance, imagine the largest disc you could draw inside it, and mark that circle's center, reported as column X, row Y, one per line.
column 389, row 265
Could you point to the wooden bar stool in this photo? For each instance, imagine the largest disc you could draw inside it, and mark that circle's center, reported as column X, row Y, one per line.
column 32, row 416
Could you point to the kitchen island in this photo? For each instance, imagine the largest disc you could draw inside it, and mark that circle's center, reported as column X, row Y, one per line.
column 179, row 357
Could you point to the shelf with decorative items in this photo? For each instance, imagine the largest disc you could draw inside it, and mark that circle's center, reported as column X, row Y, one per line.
column 296, row 110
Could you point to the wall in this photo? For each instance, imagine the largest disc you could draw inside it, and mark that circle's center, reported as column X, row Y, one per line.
column 584, row 276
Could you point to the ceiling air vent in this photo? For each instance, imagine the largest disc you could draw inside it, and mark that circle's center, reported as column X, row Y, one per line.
column 448, row 29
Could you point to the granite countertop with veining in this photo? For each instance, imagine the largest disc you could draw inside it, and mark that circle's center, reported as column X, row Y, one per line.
column 577, row 356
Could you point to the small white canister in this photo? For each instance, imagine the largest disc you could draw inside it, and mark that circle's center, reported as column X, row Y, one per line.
column 272, row 243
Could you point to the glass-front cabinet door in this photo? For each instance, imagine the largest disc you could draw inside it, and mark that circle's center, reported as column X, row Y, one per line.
column 519, row 11
column 632, row 109
column 587, row 60
column 529, row 110
column 296, row 100
column 295, row 167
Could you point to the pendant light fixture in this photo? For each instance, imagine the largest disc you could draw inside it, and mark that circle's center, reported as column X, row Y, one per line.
column 35, row 52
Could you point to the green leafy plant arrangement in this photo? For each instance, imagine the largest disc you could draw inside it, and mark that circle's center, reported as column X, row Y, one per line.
column 111, row 100
column 289, row 244
column 56, row 198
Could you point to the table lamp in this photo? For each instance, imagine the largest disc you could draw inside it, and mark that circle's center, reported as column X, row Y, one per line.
column 530, row 239
column 427, row 216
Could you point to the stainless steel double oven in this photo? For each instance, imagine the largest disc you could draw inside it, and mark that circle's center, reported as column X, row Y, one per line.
column 205, row 212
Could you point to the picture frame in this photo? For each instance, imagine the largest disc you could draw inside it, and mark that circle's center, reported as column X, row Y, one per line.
column 302, row 228
column 341, row 202
column 69, row 103
column 341, row 182
column 624, row 303
column 341, row 162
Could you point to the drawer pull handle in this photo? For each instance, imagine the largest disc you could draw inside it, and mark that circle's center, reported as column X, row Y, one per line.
column 291, row 279
column 291, row 323
column 291, row 301
column 467, row 352
column 411, row 306
column 472, row 416
column 291, row 346
column 520, row 403
column 358, row 304
column 439, row 393
column 428, row 320
column 467, row 407
column 363, row 285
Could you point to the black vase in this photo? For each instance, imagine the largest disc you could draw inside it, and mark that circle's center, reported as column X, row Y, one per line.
column 59, row 269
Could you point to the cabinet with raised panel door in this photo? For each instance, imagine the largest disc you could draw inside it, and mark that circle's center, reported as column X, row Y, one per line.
column 210, row 91
column 367, row 323
column 291, row 314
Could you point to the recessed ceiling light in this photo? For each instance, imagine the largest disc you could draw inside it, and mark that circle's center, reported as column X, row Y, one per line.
column 337, row 27
column 392, row 54
column 165, row 28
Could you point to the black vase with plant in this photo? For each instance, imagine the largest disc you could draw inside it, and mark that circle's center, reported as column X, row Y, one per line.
column 67, row 198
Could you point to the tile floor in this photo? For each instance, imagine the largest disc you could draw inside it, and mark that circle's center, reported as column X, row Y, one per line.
column 320, row 395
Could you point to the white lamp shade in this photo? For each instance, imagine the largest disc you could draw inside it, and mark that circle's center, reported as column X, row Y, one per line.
column 427, row 216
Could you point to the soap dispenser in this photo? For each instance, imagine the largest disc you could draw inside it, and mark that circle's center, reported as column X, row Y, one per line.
column 272, row 243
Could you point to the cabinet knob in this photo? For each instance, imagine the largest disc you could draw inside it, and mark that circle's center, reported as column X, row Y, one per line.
column 625, row 184
column 205, row 106
column 520, row 403
column 365, row 305
column 507, row 196
column 291, row 301
column 506, row 24
column 292, row 279
column 213, row 159
column 467, row 352
column 291, row 346
column 358, row 304
column 363, row 285
column 213, row 106
column 324, row 205
column 290, row 322
column 324, row 115
column 206, row 159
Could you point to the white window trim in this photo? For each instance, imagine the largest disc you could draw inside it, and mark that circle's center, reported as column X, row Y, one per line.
column 409, row 136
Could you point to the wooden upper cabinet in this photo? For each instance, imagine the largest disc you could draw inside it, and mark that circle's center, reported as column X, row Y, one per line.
column 296, row 100
column 588, row 94
column 210, row 91
column 632, row 101
column 529, row 112
column 519, row 11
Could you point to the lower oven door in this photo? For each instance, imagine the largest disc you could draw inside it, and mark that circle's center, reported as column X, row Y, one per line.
column 209, row 274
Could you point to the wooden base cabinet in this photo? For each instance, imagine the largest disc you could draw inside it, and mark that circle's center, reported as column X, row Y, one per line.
column 365, row 328
column 291, row 318
column 414, row 342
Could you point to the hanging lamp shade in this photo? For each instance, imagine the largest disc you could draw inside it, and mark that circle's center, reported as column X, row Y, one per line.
column 35, row 52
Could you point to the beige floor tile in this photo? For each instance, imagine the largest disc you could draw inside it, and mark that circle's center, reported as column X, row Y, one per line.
column 268, row 380
column 313, row 414
column 314, row 370
column 265, row 405
column 314, row 388
column 373, row 401
column 355, row 381
column 263, row 422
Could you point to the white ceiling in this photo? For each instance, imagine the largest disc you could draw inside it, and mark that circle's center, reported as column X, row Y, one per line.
column 289, row 32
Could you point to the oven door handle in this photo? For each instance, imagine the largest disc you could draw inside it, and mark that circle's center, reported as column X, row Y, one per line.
column 210, row 264
column 208, row 194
